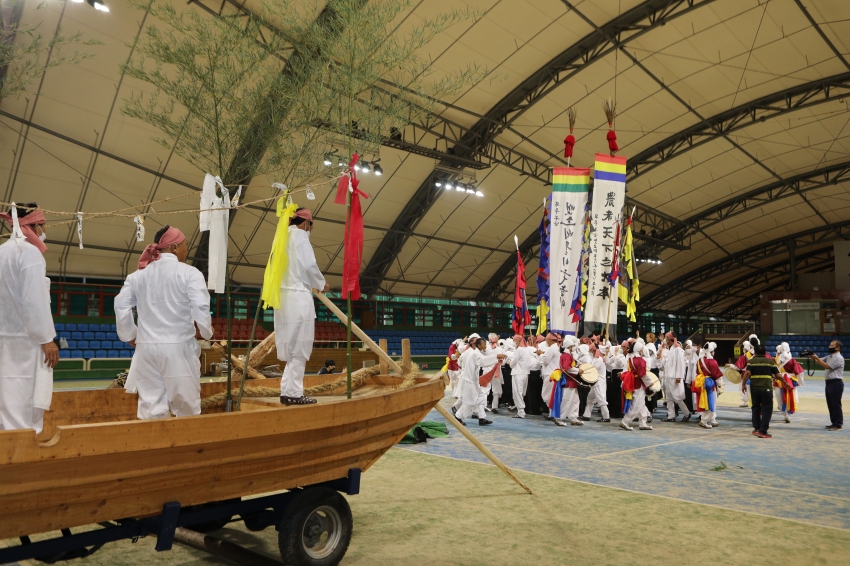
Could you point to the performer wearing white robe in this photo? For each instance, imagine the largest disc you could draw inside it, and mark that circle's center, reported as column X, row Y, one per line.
column 471, row 362
column 520, row 363
column 599, row 392
column 636, row 361
column 454, row 369
column 672, row 363
column 495, row 385
column 550, row 357
column 27, row 351
column 294, row 321
column 170, row 297
column 461, row 349
column 569, row 396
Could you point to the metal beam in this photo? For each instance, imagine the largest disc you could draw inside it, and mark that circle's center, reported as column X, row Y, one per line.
column 821, row 33
column 743, row 258
column 725, row 288
column 720, row 125
column 599, row 43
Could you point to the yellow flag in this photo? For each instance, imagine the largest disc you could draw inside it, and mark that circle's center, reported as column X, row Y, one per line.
column 542, row 317
column 278, row 259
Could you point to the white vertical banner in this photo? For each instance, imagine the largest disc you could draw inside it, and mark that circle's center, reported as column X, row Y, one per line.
column 842, row 264
column 609, row 195
column 80, row 228
column 570, row 186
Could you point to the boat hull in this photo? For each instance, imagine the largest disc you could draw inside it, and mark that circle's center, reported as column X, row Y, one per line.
column 87, row 473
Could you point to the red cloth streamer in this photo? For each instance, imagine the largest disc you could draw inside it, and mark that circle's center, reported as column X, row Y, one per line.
column 522, row 317
column 26, row 223
column 353, row 242
column 569, row 144
column 612, row 139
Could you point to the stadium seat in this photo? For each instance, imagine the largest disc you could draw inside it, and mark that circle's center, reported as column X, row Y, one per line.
column 63, row 354
column 88, row 354
column 65, row 334
column 77, row 335
column 100, row 354
column 82, row 327
column 105, row 327
column 126, row 353
column 113, row 353
column 100, row 335
column 82, row 344
column 72, row 344
column 76, row 353
column 70, row 326
column 111, row 336
column 112, row 328
column 106, row 344
column 59, row 326
column 88, row 335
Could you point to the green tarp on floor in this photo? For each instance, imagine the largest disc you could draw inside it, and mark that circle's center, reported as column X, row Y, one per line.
column 423, row 431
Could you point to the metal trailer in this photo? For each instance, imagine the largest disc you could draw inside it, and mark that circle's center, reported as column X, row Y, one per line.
column 313, row 522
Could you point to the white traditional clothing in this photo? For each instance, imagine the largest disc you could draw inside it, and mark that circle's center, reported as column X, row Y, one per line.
column 495, row 385
column 215, row 218
column 471, row 361
column 549, row 362
column 294, row 321
column 170, row 297
column 25, row 324
column 673, row 364
column 520, row 364
column 599, row 392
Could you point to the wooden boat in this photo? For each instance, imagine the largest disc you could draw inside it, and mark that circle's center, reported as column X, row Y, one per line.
column 94, row 462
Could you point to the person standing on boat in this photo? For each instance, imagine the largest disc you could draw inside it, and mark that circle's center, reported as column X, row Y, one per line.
column 294, row 321
column 27, row 350
column 170, row 298
column 471, row 363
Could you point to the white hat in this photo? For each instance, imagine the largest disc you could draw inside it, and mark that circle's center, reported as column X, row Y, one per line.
column 747, row 346
column 785, row 348
column 638, row 346
column 754, row 339
column 474, row 336
column 709, row 348
column 688, row 343
column 569, row 341
column 583, row 349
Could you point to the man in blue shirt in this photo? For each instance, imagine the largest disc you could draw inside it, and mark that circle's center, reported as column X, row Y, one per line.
column 834, row 381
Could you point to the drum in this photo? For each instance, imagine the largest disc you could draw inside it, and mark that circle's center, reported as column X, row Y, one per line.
column 588, row 375
column 654, row 386
column 732, row 374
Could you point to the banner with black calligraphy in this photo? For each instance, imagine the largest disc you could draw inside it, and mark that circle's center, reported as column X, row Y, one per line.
column 609, row 194
column 569, row 197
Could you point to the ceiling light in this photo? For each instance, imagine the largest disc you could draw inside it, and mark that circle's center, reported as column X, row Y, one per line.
column 77, row 1
column 439, row 184
column 460, row 189
column 470, row 191
column 327, row 161
column 98, row 5
column 378, row 170
column 365, row 168
column 341, row 163
column 479, row 194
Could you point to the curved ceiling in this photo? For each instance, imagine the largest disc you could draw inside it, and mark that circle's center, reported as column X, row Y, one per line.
column 731, row 112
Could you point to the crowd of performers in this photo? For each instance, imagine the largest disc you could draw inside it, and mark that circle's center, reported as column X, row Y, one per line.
column 552, row 372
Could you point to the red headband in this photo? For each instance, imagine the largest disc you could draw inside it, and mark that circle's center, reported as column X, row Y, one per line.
column 153, row 252
column 304, row 213
column 26, row 223
column 519, row 340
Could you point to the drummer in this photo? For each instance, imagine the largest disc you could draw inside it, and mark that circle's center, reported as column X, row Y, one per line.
column 570, row 399
column 741, row 365
column 599, row 391
column 785, row 386
column 633, row 386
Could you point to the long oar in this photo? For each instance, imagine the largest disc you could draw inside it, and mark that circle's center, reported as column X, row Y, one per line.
column 394, row 365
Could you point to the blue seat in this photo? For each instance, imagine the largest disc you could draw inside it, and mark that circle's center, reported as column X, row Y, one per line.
column 107, row 344
column 63, row 354
column 72, row 344
column 100, row 335
column 65, row 334
column 100, row 354
column 88, row 335
column 88, row 354
column 111, row 336
column 82, row 327
column 70, row 326
column 112, row 327
column 95, row 345
column 113, row 354
column 77, row 335
column 126, row 353
column 59, row 326
column 105, row 327
column 82, row 344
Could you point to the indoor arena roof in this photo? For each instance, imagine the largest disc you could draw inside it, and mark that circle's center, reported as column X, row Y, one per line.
column 731, row 113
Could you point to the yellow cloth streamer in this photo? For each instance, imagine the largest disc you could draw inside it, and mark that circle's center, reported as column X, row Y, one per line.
column 542, row 317
column 278, row 259
column 445, row 368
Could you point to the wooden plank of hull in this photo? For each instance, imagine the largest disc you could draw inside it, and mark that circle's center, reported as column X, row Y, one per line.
column 130, row 469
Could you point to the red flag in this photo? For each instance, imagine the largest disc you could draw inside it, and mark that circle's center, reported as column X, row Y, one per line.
column 522, row 317
column 353, row 242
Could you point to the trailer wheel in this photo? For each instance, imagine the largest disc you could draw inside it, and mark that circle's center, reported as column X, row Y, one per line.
column 316, row 529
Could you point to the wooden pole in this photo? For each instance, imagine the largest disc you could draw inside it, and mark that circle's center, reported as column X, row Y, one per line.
column 383, row 364
column 440, row 409
column 405, row 355
column 223, row 548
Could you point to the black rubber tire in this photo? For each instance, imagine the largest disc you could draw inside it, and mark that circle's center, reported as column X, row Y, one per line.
column 330, row 508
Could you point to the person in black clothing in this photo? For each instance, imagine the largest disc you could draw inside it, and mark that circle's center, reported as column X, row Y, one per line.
column 330, row 366
column 761, row 371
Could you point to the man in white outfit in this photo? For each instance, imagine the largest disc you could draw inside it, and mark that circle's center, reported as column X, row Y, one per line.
column 672, row 363
column 550, row 357
column 520, row 363
column 170, row 297
column 599, row 392
column 470, row 340
column 495, row 385
column 295, row 320
column 568, row 362
column 26, row 325
column 633, row 382
column 471, row 362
